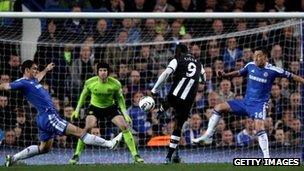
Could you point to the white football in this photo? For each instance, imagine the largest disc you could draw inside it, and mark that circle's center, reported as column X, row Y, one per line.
column 146, row 103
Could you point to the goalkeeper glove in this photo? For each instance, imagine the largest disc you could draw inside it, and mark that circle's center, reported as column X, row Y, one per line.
column 75, row 115
column 127, row 118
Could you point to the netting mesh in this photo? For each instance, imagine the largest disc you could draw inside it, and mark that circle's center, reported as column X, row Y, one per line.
column 138, row 51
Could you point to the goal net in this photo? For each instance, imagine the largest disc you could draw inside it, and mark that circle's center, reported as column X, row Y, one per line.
column 138, row 51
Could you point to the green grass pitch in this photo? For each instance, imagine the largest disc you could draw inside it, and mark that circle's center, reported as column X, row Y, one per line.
column 150, row 167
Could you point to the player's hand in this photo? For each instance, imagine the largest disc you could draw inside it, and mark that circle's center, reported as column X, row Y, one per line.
column 50, row 66
column 221, row 74
column 127, row 118
column 75, row 115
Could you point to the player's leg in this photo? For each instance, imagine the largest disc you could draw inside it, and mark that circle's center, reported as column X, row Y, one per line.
column 91, row 122
column 217, row 113
column 31, row 151
column 119, row 121
column 237, row 107
column 258, row 112
column 262, row 137
column 161, row 113
column 180, row 118
column 91, row 139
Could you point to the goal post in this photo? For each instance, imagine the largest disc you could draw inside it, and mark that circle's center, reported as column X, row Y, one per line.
column 138, row 47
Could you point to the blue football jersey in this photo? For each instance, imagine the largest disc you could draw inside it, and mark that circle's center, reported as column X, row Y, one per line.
column 260, row 80
column 34, row 93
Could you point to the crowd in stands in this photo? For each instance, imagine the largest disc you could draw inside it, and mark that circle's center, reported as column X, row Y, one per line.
column 77, row 45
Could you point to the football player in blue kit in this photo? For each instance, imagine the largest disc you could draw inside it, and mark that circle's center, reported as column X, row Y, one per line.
column 260, row 77
column 48, row 120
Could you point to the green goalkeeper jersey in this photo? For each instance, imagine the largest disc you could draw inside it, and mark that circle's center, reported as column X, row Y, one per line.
column 102, row 94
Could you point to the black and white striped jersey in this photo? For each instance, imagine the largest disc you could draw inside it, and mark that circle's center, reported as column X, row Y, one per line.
column 186, row 77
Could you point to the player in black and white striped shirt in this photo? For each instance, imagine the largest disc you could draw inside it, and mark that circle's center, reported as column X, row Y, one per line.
column 187, row 74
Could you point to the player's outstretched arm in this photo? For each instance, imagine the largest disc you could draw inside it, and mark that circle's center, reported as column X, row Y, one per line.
column 162, row 78
column 48, row 68
column 5, row 86
column 297, row 78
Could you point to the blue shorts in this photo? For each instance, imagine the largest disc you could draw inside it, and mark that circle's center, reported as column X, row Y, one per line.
column 50, row 124
column 252, row 110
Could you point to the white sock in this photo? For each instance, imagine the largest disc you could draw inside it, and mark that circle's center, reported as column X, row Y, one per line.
column 95, row 140
column 263, row 142
column 27, row 153
column 214, row 119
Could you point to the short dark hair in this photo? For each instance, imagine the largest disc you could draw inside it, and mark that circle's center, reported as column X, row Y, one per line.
column 27, row 64
column 103, row 65
column 181, row 48
column 264, row 51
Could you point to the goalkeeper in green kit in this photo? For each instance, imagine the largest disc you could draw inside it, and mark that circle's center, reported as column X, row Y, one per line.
column 105, row 91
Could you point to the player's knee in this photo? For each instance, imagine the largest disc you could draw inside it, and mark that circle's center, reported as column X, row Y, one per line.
column 221, row 108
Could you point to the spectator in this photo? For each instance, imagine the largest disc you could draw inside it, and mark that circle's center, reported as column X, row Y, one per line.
column 246, row 137
column 239, row 4
column 289, row 44
column 67, row 112
column 238, row 87
column 295, row 103
column 139, row 6
column 148, row 32
column 277, row 58
column 227, row 139
column 163, row 6
column 279, row 139
column 217, row 27
column 213, row 52
column 159, row 52
column 260, row 6
column 231, row 53
column 135, row 84
column 186, row 6
column 225, row 92
column 81, row 70
column 195, row 129
column 13, row 67
column 140, row 123
column 76, row 28
column 277, row 103
column 152, row 66
column 196, row 51
column 5, row 113
column 285, row 90
column 5, row 78
column 279, row 6
column 213, row 99
column 269, row 128
column 51, row 34
column 219, row 131
column 199, row 102
column 296, row 132
column 10, row 138
column 61, row 142
column 101, row 33
column 174, row 34
column 210, row 82
column 115, row 6
column 133, row 32
column 123, row 72
column 24, row 131
column 115, row 53
column 247, row 55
